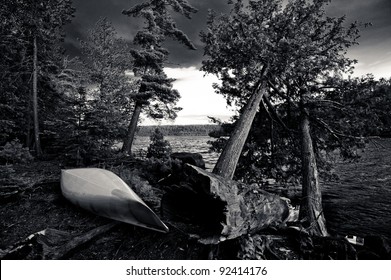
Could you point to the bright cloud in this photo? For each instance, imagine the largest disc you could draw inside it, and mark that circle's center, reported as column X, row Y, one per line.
column 198, row 98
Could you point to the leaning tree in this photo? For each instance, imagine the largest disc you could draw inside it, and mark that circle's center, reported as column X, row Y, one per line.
column 264, row 45
column 155, row 95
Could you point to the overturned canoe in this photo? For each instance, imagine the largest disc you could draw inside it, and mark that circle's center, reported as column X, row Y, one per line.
column 103, row 193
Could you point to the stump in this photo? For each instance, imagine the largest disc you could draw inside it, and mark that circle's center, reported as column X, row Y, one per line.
column 215, row 209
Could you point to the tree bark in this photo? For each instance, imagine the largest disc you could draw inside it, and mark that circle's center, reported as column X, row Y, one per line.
column 311, row 209
column 28, row 122
column 35, row 100
column 214, row 209
column 128, row 141
column 229, row 158
column 272, row 140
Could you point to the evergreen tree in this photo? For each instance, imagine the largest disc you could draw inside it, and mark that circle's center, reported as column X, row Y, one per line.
column 46, row 19
column 13, row 71
column 106, row 60
column 34, row 31
column 159, row 148
column 360, row 106
column 292, row 49
column 72, row 137
column 96, row 95
column 155, row 95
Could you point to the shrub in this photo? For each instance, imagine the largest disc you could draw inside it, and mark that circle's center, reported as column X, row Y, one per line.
column 14, row 152
column 134, row 179
column 160, row 168
column 159, row 148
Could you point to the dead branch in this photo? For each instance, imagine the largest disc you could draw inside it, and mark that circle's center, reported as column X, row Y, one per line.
column 51, row 243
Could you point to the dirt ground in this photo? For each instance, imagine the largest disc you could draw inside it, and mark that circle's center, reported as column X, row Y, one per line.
column 39, row 205
column 31, row 201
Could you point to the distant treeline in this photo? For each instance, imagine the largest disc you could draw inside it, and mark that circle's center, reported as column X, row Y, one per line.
column 178, row 130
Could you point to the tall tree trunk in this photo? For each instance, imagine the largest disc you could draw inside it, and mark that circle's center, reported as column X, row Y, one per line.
column 311, row 207
column 128, row 141
column 35, row 100
column 28, row 121
column 272, row 139
column 229, row 158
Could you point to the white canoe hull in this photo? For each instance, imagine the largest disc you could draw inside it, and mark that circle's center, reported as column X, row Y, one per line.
column 103, row 193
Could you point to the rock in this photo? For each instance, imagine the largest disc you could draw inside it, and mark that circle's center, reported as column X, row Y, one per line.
column 190, row 158
column 329, row 247
column 374, row 248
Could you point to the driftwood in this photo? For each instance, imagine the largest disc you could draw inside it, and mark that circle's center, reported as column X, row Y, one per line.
column 9, row 193
column 58, row 252
column 51, row 243
column 214, row 209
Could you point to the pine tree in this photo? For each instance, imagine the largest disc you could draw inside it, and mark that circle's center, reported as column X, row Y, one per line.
column 159, row 148
column 34, row 30
column 290, row 48
column 106, row 60
column 72, row 137
column 155, row 95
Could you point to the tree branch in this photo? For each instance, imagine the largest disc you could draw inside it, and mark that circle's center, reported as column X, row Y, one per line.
column 273, row 114
column 327, row 101
column 335, row 133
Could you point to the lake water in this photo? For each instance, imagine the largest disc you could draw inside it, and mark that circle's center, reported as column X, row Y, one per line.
column 191, row 144
column 358, row 204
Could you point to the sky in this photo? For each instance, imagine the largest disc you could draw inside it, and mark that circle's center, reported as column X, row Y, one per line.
column 198, row 97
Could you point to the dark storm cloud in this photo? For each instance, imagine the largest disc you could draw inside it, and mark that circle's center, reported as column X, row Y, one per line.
column 178, row 53
column 88, row 13
column 377, row 12
column 374, row 50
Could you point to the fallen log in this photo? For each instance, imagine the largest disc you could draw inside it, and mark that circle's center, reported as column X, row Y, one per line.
column 57, row 252
column 51, row 243
column 213, row 209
